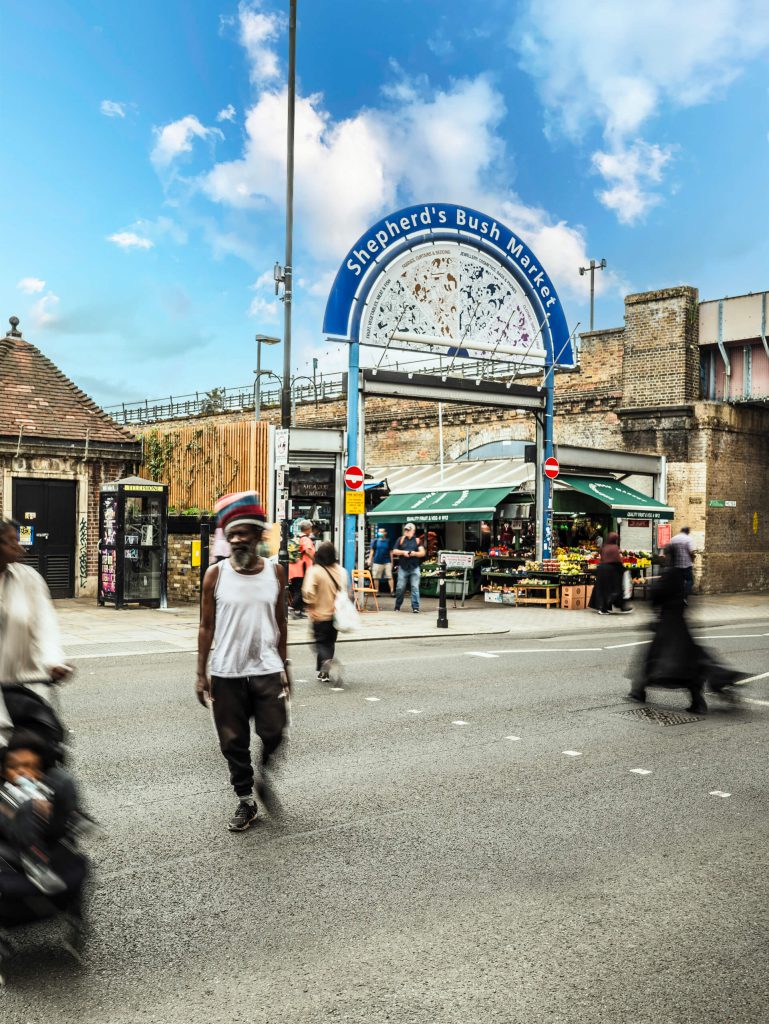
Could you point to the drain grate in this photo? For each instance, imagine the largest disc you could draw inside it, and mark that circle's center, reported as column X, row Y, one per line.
column 656, row 717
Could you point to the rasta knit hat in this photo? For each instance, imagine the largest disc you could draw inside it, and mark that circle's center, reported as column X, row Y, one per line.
column 240, row 509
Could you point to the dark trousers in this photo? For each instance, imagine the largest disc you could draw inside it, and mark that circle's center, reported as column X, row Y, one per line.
column 325, row 641
column 235, row 703
column 295, row 594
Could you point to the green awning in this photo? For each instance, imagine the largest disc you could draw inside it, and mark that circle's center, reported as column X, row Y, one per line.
column 469, row 505
column 620, row 499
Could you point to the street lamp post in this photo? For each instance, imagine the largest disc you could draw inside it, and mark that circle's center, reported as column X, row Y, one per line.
column 261, row 339
column 284, row 274
column 591, row 270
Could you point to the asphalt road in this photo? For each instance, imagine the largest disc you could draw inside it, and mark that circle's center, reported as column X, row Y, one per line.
column 442, row 857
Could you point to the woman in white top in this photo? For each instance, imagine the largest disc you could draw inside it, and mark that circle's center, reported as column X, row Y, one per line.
column 324, row 580
column 30, row 647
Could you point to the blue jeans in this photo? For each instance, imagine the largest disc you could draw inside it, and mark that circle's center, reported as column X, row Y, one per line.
column 406, row 577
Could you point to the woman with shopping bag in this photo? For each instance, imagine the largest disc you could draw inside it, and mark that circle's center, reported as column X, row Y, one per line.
column 325, row 594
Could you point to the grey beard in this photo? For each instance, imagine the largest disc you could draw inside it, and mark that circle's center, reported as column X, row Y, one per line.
column 243, row 558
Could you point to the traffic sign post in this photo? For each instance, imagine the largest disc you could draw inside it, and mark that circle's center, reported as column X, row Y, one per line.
column 353, row 478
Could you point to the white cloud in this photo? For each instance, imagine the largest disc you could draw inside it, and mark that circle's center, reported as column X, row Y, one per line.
column 110, row 108
column 227, row 114
column 30, row 285
column 422, row 144
column 176, row 138
column 257, row 31
column 628, row 174
column 43, row 312
column 618, row 63
column 130, row 240
column 264, row 306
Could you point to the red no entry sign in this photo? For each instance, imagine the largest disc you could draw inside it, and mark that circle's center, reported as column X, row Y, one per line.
column 552, row 469
column 353, row 478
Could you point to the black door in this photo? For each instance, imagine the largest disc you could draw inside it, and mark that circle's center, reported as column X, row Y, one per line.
column 48, row 507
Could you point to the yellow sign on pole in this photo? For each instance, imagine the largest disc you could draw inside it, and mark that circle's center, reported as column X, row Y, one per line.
column 195, row 559
column 355, row 503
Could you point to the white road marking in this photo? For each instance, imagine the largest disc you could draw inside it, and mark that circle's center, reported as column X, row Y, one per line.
column 338, row 689
column 301, row 680
column 534, row 650
column 752, row 679
column 640, row 771
column 413, row 711
column 572, row 753
column 635, row 643
column 753, row 700
column 367, row 698
column 460, row 721
column 718, row 792
column 512, row 737
column 479, row 654
column 731, row 636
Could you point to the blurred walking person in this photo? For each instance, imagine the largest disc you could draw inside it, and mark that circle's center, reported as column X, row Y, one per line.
column 680, row 552
column 607, row 592
column 325, row 579
column 244, row 611
column 31, row 654
column 674, row 660
column 298, row 569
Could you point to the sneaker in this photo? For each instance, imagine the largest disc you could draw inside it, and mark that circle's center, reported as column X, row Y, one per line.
column 42, row 877
column 415, row 611
column 243, row 818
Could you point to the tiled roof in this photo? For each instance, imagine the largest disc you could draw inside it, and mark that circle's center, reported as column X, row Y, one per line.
column 37, row 398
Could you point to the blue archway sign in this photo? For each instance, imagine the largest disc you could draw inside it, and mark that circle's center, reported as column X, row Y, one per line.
column 460, row 239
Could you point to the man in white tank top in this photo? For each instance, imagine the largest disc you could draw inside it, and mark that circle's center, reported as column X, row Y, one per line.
column 243, row 612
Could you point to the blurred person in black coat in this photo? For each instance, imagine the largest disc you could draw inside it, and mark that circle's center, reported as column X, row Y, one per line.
column 674, row 660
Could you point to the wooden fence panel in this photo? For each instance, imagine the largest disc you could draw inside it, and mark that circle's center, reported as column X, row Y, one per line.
column 200, row 463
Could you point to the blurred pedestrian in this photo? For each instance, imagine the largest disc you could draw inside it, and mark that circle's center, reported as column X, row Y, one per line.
column 607, row 591
column 409, row 551
column 297, row 570
column 220, row 549
column 325, row 579
column 381, row 559
column 31, row 654
column 680, row 552
column 674, row 660
column 243, row 610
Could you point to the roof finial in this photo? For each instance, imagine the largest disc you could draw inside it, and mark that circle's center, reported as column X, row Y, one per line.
column 14, row 322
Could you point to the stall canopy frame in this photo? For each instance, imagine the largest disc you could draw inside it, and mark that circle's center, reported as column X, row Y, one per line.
column 617, row 497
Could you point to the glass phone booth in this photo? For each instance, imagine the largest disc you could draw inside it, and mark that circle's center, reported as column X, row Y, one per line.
column 133, row 529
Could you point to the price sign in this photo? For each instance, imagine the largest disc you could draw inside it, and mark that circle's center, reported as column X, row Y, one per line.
column 456, row 559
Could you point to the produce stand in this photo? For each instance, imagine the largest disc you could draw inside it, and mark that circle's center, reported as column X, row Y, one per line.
column 463, row 574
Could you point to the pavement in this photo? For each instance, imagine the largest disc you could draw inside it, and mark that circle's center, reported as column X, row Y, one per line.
column 503, row 841
column 92, row 631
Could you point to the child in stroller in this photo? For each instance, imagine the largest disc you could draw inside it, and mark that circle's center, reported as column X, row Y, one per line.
column 42, row 871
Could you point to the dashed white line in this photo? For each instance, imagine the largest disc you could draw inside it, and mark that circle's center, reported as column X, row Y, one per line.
column 719, row 792
column 414, row 711
column 479, row 654
column 753, row 700
column 635, row 643
column 372, row 699
column 460, row 721
column 512, row 737
column 572, row 753
column 640, row 771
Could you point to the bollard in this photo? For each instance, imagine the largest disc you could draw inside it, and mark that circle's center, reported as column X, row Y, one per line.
column 443, row 618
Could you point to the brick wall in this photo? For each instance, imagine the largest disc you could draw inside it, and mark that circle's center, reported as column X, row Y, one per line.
column 183, row 578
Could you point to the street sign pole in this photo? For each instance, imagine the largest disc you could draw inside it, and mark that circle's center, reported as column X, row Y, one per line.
column 443, row 615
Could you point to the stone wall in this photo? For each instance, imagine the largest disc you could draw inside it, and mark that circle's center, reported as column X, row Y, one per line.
column 183, row 577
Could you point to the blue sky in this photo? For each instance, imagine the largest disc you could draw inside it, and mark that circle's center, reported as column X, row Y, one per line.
column 143, row 157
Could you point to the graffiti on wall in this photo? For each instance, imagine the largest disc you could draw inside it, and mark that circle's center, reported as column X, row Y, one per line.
column 83, row 560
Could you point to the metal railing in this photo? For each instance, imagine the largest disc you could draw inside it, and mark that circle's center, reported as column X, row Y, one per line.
column 327, row 387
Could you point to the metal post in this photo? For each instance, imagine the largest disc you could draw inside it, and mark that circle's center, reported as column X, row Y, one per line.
column 547, row 484
column 591, row 270
column 539, row 477
column 350, row 522
column 205, row 537
column 285, row 395
column 258, row 399
column 443, row 616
